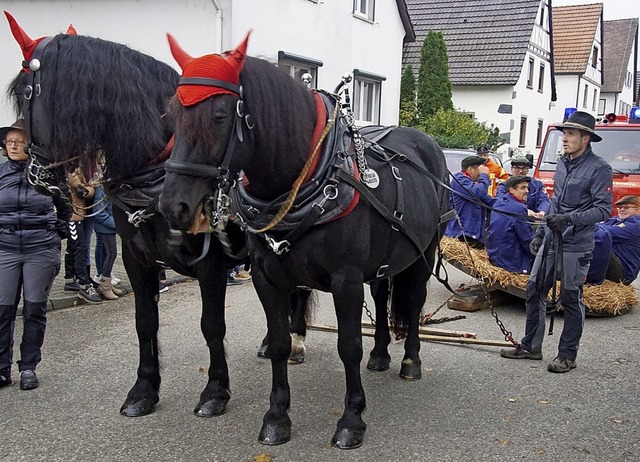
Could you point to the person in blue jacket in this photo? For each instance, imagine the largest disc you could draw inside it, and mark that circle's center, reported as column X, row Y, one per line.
column 510, row 234
column 538, row 198
column 105, row 228
column 616, row 255
column 470, row 193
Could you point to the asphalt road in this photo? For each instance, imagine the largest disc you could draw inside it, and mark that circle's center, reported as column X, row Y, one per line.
column 470, row 404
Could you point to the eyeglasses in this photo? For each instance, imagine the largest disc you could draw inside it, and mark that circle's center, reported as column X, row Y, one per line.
column 14, row 142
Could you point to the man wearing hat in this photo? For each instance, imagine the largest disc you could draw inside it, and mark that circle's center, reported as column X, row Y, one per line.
column 582, row 197
column 496, row 172
column 469, row 193
column 616, row 255
column 30, row 224
column 538, row 199
column 510, row 233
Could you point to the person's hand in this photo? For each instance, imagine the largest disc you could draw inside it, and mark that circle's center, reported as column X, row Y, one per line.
column 483, row 169
column 535, row 245
column 531, row 213
column 558, row 223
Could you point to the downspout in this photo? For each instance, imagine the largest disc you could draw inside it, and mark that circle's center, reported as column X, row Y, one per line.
column 578, row 92
column 218, row 26
column 554, row 94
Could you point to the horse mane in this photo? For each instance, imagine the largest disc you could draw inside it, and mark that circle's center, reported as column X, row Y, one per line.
column 98, row 96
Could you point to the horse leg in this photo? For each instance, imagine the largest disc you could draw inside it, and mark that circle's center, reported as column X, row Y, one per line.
column 212, row 277
column 348, row 301
column 144, row 395
column 299, row 300
column 379, row 358
column 276, row 424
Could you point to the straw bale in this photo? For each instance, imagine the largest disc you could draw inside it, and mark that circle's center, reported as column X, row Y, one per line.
column 607, row 299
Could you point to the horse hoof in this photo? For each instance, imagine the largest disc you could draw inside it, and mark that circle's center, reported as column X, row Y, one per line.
column 211, row 408
column 138, row 408
column 297, row 358
column 348, row 439
column 411, row 371
column 263, row 352
column 379, row 363
column 273, row 435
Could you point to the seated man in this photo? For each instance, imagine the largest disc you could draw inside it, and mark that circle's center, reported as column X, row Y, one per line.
column 470, row 187
column 496, row 172
column 509, row 235
column 538, row 199
column 616, row 255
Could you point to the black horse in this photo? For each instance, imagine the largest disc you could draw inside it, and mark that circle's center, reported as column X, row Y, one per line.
column 87, row 98
column 234, row 113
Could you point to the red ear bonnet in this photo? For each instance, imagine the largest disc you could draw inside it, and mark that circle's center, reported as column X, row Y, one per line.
column 71, row 30
column 225, row 67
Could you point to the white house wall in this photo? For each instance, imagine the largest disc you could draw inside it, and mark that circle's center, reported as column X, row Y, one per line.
column 326, row 31
column 569, row 89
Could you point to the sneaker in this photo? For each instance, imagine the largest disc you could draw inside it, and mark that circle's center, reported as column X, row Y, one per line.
column 233, row 282
column 115, row 280
column 96, row 278
column 520, row 353
column 242, row 276
column 163, row 287
column 28, row 380
column 71, row 286
column 88, row 294
column 560, row 364
column 5, row 379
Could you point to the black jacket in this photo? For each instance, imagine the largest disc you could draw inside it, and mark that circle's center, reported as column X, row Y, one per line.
column 27, row 219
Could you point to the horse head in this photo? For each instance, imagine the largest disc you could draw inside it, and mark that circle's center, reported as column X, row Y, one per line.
column 44, row 173
column 212, row 134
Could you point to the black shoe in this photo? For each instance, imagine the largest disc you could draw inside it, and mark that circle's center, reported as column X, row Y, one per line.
column 89, row 294
column 233, row 282
column 163, row 287
column 560, row 364
column 72, row 286
column 5, row 379
column 520, row 353
column 28, row 380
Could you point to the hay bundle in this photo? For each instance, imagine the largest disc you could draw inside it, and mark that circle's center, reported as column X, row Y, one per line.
column 607, row 299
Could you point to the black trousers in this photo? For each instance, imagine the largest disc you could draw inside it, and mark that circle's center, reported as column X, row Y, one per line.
column 75, row 258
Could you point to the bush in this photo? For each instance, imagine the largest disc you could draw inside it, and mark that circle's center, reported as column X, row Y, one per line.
column 454, row 129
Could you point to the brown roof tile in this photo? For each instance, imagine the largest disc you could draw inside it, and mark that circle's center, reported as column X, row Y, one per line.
column 574, row 30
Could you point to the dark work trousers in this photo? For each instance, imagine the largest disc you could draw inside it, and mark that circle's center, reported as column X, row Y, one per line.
column 32, row 275
column 75, row 258
column 575, row 267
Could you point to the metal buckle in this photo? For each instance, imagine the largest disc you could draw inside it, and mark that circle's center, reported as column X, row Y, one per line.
column 278, row 247
column 399, row 216
column 381, row 271
column 137, row 218
column 396, row 173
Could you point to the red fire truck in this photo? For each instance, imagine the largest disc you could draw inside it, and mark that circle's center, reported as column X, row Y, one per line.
column 620, row 147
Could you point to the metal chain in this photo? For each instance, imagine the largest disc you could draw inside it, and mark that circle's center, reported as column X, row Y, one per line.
column 358, row 142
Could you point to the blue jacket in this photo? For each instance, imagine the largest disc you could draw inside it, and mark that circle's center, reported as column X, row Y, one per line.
column 622, row 237
column 27, row 219
column 537, row 199
column 583, row 190
column 509, row 237
column 103, row 222
column 472, row 215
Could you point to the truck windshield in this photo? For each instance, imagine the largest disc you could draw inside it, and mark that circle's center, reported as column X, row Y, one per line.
column 620, row 148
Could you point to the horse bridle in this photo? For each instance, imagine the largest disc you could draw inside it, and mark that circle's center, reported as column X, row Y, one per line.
column 220, row 174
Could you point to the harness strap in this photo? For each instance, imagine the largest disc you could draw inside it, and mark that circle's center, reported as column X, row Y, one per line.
column 207, row 82
column 191, row 169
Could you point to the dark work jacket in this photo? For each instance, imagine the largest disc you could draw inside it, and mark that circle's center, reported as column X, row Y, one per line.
column 509, row 236
column 466, row 198
column 622, row 237
column 537, row 199
column 582, row 188
column 27, row 219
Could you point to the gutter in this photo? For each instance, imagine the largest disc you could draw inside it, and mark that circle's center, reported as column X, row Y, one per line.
column 218, row 26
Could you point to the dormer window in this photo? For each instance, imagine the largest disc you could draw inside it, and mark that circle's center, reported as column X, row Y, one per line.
column 594, row 57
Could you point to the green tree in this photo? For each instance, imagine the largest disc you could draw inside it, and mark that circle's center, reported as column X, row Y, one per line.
column 408, row 98
column 454, row 129
column 434, row 86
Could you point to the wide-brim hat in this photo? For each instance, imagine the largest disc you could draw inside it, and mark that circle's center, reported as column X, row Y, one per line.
column 582, row 121
column 471, row 161
column 17, row 125
column 515, row 180
column 629, row 200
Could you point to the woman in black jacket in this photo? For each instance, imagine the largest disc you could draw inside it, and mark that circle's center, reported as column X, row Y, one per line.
column 31, row 226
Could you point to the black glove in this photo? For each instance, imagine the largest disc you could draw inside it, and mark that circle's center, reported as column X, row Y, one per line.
column 558, row 223
column 535, row 245
column 62, row 228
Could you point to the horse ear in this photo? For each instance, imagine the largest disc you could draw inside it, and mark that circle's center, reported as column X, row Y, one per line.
column 237, row 56
column 71, row 30
column 27, row 44
column 181, row 56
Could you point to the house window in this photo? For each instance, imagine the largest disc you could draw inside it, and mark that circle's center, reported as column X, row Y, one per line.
column 541, row 79
column 539, row 133
column 595, row 99
column 585, row 96
column 594, row 57
column 367, row 94
column 542, row 10
column 296, row 66
column 530, row 74
column 364, row 9
column 523, row 132
column 602, row 105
